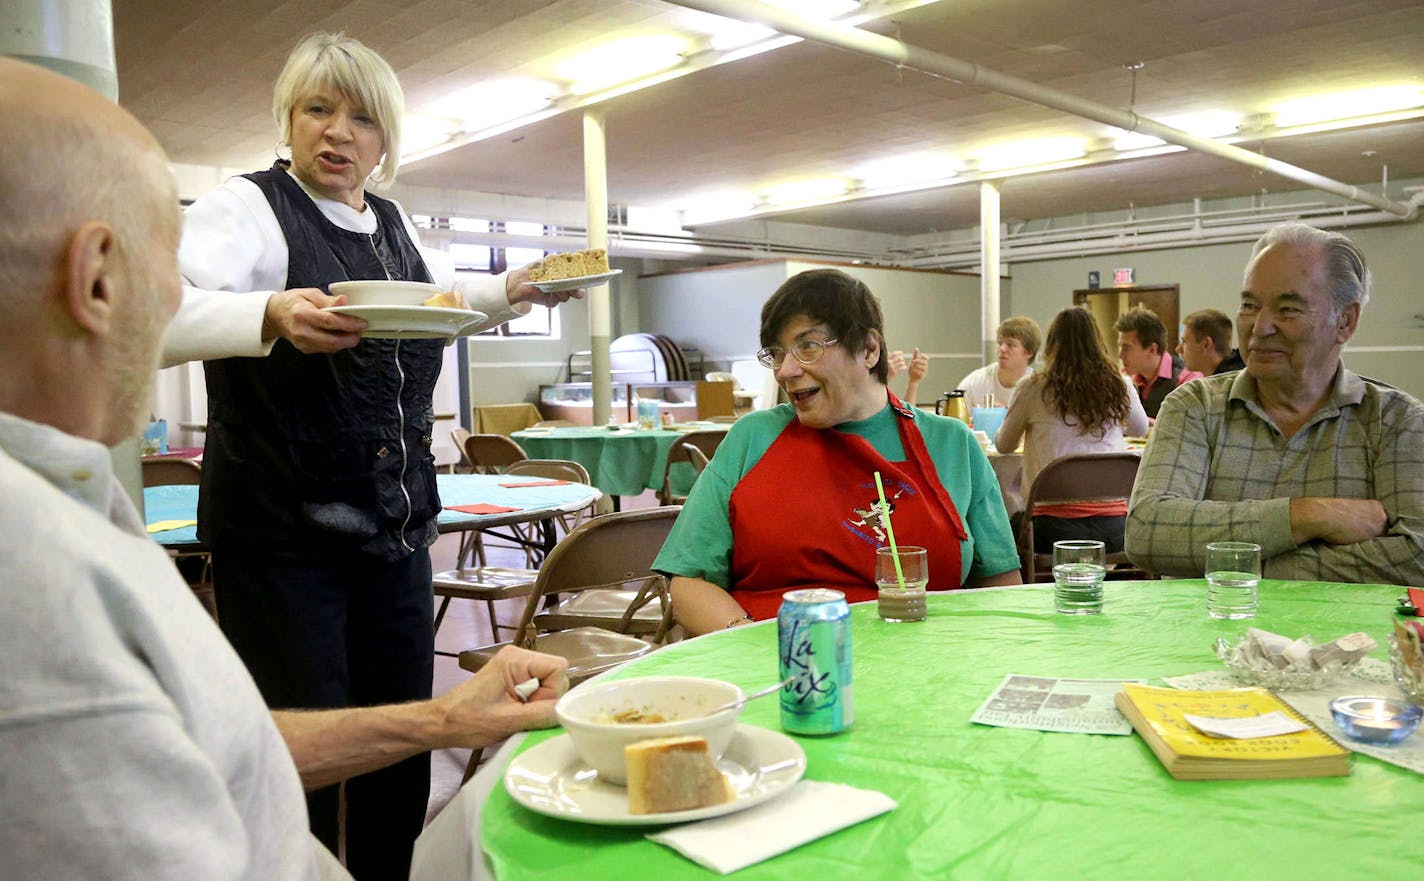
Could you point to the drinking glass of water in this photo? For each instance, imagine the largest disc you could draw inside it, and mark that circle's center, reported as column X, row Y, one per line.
column 907, row 603
column 1233, row 571
column 1078, row 570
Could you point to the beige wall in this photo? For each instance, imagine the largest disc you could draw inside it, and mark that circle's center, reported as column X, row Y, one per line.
column 1389, row 345
column 718, row 310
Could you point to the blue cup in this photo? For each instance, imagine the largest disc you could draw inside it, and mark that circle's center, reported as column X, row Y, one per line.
column 988, row 419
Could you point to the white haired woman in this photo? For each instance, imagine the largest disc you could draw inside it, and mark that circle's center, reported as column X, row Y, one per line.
column 318, row 495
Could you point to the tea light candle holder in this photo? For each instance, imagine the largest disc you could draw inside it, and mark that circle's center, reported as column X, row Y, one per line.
column 1376, row 719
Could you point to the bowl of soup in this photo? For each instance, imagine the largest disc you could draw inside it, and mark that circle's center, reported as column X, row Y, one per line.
column 604, row 717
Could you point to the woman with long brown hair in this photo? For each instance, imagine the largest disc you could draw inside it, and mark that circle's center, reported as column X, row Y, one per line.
column 1078, row 403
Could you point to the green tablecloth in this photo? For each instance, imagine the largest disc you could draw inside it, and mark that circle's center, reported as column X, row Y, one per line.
column 997, row 803
column 621, row 463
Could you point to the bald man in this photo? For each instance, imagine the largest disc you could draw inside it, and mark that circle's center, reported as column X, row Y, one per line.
column 133, row 742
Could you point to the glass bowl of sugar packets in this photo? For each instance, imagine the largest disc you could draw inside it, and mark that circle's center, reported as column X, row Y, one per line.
column 1273, row 661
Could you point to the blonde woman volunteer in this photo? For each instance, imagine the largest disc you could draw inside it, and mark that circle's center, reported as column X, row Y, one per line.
column 318, row 497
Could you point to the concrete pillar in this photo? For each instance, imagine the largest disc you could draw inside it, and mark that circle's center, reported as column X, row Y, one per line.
column 989, row 266
column 595, row 188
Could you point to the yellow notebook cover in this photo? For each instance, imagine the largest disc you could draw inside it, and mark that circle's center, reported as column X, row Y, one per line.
column 1158, row 714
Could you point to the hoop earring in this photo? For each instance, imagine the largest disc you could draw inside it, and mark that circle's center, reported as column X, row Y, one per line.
column 278, row 150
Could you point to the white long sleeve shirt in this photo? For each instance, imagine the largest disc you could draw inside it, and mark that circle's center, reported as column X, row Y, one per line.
column 232, row 244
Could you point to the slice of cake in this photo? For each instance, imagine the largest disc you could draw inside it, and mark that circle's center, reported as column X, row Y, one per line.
column 673, row 774
column 569, row 265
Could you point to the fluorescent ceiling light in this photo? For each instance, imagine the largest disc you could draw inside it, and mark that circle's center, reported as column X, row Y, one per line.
column 725, row 34
column 723, row 203
column 738, row 34
column 620, row 61
column 806, row 191
column 898, row 171
column 420, row 131
column 491, row 102
column 1346, row 105
column 1022, row 154
column 1128, row 141
column 816, row 8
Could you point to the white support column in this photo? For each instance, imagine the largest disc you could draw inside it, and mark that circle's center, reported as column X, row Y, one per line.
column 989, row 266
column 595, row 188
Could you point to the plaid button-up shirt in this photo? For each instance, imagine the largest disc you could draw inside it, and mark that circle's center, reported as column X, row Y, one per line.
column 1217, row 469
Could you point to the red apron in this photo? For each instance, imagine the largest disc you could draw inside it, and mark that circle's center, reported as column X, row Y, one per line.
column 807, row 515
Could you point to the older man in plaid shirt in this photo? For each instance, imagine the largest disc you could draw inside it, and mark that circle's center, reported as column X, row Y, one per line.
column 1323, row 468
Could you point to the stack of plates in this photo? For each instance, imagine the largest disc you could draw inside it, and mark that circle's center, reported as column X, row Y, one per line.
column 660, row 357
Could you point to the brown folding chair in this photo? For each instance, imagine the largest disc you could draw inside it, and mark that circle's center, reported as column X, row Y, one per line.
column 492, row 453
column 486, row 454
column 459, row 434
column 1082, row 477
column 610, row 555
column 493, row 583
column 696, row 449
column 171, row 471
column 195, row 564
column 558, row 469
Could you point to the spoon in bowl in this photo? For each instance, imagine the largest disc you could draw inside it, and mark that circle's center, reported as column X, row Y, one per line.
column 750, row 697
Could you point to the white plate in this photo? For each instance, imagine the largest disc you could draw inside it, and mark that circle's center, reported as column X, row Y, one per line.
column 580, row 281
column 551, row 779
column 413, row 322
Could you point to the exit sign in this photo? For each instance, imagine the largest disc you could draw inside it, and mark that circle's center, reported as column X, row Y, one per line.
column 1123, row 276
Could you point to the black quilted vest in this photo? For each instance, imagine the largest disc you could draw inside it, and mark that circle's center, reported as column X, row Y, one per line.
column 327, row 452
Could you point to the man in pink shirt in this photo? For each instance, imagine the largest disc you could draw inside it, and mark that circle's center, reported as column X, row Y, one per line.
column 1142, row 348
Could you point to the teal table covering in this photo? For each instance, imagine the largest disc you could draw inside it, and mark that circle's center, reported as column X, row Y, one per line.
column 534, row 502
column 621, row 463
column 977, row 802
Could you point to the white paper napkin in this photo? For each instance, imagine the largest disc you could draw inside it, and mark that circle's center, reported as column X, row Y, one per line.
column 810, row 810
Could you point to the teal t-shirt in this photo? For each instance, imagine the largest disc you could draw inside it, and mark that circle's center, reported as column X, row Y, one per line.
column 700, row 544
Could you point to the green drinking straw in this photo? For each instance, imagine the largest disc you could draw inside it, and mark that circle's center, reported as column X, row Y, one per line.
column 889, row 530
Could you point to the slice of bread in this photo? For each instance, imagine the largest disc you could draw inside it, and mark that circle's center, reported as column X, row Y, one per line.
column 673, row 774
column 445, row 300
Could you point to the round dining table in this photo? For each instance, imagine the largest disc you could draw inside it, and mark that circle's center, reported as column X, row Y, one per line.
column 520, row 500
column 624, row 462
column 980, row 802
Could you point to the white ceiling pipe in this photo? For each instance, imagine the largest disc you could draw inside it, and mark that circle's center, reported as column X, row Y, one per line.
column 1246, row 232
column 969, row 73
column 1152, row 235
column 1187, row 226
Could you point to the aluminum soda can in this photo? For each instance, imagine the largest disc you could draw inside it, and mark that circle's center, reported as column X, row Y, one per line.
column 813, row 639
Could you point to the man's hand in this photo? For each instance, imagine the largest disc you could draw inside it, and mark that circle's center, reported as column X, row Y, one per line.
column 518, row 289
column 919, row 365
column 296, row 316
column 485, row 709
column 895, row 363
column 1337, row 521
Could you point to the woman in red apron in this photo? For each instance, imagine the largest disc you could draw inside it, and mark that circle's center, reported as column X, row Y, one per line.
column 798, row 493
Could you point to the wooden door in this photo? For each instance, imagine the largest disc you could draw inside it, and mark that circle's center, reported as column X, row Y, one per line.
column 1106, row 304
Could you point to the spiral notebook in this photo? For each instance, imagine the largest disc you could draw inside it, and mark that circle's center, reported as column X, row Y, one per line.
column 1159, row 715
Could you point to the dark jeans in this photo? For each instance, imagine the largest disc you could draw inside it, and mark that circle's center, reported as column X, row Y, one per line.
column 322, row 630
column 1108, row 530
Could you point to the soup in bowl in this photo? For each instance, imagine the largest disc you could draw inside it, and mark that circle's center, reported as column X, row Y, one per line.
column 604, row 717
